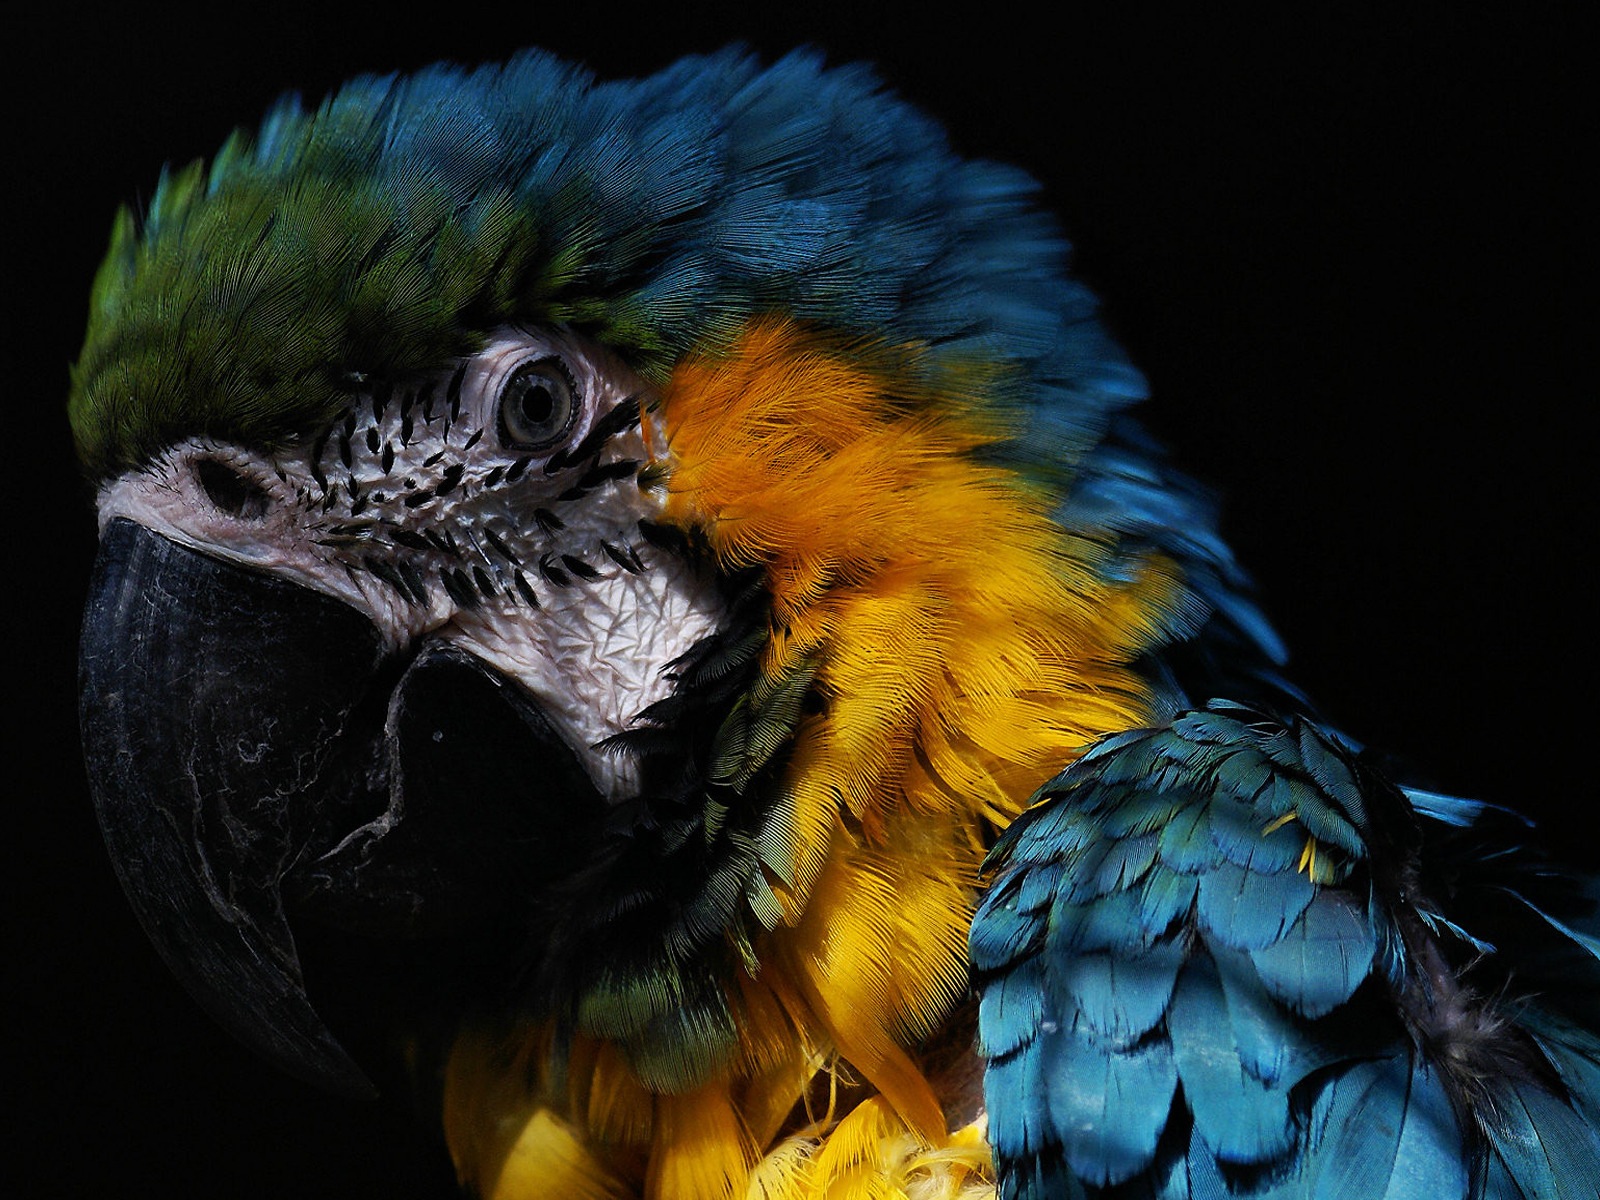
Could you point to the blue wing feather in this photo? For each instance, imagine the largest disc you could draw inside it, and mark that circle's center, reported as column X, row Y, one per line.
column 1240, row 1117
column 1120, row 998
column 1386, row 1130
column 1251, row 911
column 1321, row 959
column 1255, row 980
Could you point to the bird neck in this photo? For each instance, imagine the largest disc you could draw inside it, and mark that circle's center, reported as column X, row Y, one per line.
column 958, row 648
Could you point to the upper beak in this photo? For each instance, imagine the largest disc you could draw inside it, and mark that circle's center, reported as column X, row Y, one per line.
column 199, row 771
column 249, row 746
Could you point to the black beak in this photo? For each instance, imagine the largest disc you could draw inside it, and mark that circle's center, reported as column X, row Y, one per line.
column 196, row 765
column 249, row 746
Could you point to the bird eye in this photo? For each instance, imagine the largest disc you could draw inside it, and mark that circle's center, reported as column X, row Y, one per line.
column 538, row 405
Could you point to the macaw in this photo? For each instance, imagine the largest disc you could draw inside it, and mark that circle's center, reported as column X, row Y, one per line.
column 638, row 613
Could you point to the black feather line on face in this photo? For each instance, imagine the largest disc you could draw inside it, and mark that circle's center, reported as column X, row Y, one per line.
column 623, row 416
column 411, row 560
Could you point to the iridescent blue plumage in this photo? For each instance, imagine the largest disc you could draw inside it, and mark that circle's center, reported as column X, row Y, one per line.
column 385, row 230
column 1216, row 960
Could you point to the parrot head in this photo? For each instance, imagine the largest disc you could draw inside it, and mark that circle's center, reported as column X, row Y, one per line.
column 650, row 534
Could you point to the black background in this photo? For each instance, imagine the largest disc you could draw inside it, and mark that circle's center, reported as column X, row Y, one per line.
column 1346, row 248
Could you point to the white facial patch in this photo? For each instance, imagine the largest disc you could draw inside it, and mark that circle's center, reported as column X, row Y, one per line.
column 495, row 506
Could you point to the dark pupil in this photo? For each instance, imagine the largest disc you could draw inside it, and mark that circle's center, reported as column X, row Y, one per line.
column 537, row 403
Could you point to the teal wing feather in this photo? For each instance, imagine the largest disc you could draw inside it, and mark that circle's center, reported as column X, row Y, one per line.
column 1226, row 957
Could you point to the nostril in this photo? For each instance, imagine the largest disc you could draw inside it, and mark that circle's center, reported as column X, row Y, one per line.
column 230, row 491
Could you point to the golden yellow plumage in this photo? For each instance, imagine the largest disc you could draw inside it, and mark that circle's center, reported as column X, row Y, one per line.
column 965, row 648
